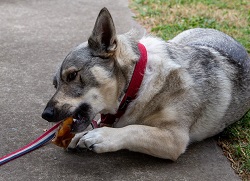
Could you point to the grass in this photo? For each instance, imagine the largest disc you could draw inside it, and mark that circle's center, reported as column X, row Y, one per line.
column 167, row 18
column 235, row 142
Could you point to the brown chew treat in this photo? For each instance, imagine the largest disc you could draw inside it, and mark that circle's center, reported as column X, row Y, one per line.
column 63, row 135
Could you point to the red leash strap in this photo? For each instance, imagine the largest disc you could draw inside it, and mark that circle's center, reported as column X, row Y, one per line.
column 133, row 88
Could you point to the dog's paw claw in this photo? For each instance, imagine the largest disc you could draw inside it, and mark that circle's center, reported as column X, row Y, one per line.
column 74, row 142
column 91, row 147
column 76, row 150
column 80, row 149
column 71, row 149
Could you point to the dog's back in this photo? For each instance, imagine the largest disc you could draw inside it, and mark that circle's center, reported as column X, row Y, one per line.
column 217, row 40
column 234, row 82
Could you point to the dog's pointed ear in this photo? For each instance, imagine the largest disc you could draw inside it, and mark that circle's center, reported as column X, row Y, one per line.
column 103, row 40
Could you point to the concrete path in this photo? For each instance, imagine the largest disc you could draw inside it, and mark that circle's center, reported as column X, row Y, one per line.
column 35, row 36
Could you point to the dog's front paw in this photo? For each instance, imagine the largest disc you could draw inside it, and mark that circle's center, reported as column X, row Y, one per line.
column 100, row 140
column 73, row 144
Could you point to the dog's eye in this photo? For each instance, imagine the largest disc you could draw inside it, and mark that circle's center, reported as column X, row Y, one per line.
column 71, row 76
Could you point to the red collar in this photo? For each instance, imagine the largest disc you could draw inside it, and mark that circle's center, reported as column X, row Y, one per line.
column 133, row 88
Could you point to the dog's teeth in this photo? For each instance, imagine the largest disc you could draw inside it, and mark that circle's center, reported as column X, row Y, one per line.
column 79, row 116
column 76, row 120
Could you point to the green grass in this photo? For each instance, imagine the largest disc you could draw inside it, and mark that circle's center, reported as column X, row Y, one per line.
column 235, row 141
column 167, row 18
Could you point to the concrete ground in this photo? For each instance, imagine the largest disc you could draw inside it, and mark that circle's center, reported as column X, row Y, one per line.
column 35, row 36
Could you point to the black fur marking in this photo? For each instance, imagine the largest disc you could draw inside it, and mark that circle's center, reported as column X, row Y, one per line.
column 83, row 111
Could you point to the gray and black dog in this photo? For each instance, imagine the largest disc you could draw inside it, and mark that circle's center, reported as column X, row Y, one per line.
column 194, row 86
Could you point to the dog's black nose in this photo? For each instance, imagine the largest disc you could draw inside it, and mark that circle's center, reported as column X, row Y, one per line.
column 48, row 114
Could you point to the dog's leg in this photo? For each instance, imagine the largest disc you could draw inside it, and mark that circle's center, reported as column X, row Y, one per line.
column 163, row 143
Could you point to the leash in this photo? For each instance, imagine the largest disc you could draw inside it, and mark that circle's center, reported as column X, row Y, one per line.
column 42, row 140
column 107, row 119
column 39, row 142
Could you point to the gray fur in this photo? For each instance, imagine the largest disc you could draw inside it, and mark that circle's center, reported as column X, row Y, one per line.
column 215, row 39
column 194, row 86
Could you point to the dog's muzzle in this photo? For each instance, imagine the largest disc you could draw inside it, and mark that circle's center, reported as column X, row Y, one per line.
column 48, row 114
column 83, row 115
column 53, row 114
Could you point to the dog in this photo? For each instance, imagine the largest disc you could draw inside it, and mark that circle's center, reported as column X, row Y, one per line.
column 193, row 86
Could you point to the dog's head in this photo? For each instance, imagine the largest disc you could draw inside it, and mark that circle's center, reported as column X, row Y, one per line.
column 86, row 83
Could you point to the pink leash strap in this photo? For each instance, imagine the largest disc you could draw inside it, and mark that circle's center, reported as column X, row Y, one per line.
column 39, row 142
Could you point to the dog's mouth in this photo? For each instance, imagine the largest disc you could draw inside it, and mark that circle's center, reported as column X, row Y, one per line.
column 81, row 118
column 79, row 124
